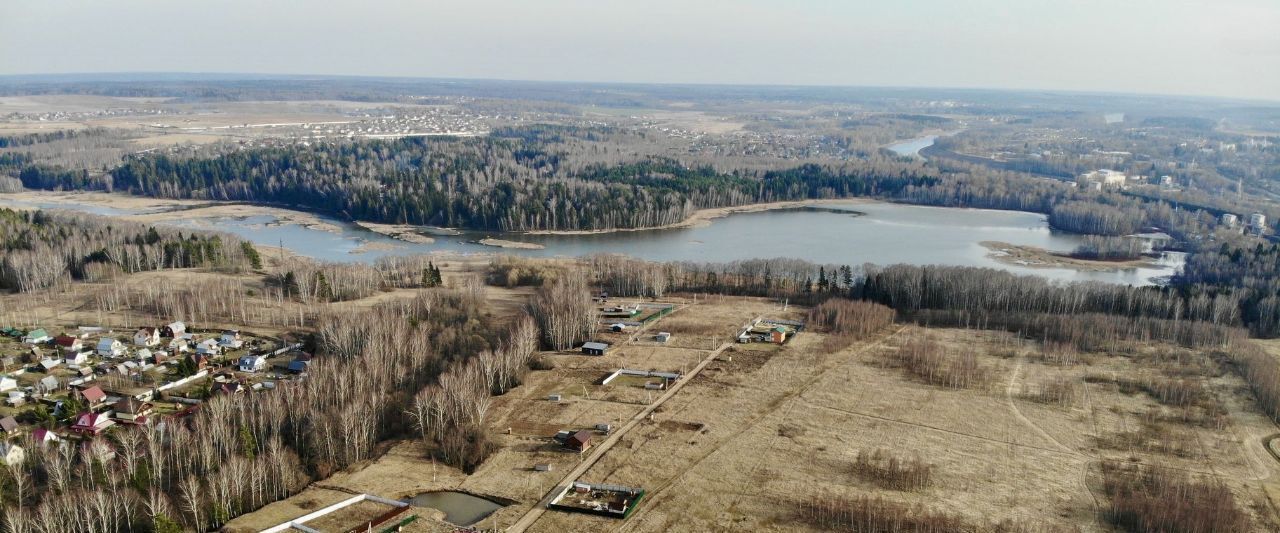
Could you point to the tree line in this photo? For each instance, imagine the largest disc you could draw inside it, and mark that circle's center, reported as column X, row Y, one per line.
column 40, row 249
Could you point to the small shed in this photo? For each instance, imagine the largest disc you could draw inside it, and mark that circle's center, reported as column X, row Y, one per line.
column 662, row 337
column 554, row 398
column 618, row 328
column 579, row 441
column 542, row 467
column 595, row 348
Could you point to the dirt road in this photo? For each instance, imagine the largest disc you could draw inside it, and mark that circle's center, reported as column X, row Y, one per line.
column 599, row 450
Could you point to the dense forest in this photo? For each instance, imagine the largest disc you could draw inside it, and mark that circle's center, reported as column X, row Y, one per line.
column 569, row 178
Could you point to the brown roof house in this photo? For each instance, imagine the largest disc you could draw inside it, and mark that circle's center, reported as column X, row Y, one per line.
column 9, row 426
column 579, row 441
column 93, row 396
column 132, row 410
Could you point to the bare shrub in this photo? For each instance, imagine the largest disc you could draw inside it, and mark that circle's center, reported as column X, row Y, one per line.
column 1153, row 499
column 511, row 271
column 1060, row 353
column 891, row 472
column 930, row 362
column 849, row 320
column 1152, row 436
column 1060, row 391
column 864, row 514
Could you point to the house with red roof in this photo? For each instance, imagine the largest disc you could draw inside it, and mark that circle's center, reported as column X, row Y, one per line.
column 92, row 424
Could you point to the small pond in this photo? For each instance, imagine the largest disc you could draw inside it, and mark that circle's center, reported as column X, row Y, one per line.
column 459, row 508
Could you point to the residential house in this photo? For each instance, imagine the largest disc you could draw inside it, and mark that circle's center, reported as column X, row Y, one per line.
column 143, row 356
column 175, row 330
column 43, row 436
column 228, row 387
column 93, row 396
column 253, row 363
column 578, row 441
column 9, row 426
column 7, row 384
column 109, row 347
column 49, row 385
column 209, row 347
column 77, row 358
column 36, row 336
column 299, row 365
column 198, row 361
column 230, row 339
column 69, row 343
column 16, row 398
column 595, row 348
column 179, row 345
column 778, row 335
column 50, row 364
column 92, row 424
column 132, row 410
column 11, row 454
column 146, row 337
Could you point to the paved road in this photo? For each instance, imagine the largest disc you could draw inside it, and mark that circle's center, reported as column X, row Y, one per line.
column 599, row 450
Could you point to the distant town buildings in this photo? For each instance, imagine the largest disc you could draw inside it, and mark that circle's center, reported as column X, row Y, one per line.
column 1258, row 223
column 1104, row 179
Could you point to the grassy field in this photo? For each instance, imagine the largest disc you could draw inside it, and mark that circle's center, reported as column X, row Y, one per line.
column 764, row 428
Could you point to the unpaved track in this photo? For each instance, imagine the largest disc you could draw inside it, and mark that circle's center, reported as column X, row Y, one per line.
column 599, row 450
column 784, row 401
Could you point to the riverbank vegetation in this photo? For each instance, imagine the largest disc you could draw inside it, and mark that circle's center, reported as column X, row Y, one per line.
column 41, row 249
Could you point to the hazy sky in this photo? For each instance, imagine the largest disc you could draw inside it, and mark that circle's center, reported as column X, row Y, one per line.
column 1205, row 47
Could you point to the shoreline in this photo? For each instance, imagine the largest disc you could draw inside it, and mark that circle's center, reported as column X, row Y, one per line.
column 401, row 232
column 517, row 245
column 703, row 217
column 153, row 210
column 1033, row 257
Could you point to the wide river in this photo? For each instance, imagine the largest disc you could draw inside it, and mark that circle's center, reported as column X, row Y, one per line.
column 855, row 233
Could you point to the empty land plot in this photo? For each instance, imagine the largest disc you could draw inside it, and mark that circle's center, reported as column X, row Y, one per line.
column 715, row 321
column 742, row 453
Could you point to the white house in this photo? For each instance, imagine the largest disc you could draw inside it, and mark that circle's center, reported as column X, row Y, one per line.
column 16, row 398
column 179, row 345
column 11, row 454
column 209, row 347
column 253, row 363
column 146, row 337
column 49, row 384
column 77, row 358
column 7, row 383
column 109, row 347
column 230, row 339
column 50, row 364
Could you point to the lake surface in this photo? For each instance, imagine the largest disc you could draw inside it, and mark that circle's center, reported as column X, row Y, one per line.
column 459, row 508
column 853, row 233
column 912, row 147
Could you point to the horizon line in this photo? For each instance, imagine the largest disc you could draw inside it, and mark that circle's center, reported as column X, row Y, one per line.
column 228, row 76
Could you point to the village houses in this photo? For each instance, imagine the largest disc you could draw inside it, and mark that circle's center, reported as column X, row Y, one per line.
column 146, row 337
column 109, row 347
